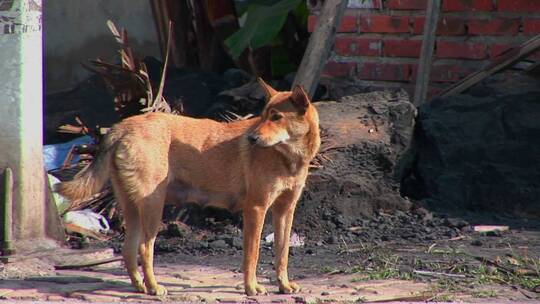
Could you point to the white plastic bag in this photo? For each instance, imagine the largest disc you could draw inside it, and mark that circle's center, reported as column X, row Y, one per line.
column 87, row 219
column 294, row 241
column 62, row 203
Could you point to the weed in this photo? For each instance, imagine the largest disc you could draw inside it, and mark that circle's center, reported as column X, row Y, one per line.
column 380, row 267
column 485, row 274
column 328, row 269
column 484, row 293
column 442, row 297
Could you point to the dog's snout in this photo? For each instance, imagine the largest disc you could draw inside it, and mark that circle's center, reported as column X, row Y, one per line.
column 253, row 139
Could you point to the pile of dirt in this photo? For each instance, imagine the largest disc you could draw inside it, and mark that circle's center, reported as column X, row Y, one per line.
column 363, row 138
column 211, row 236
column 479, row 151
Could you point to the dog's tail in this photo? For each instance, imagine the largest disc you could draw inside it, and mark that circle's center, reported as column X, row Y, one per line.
column 92, row 178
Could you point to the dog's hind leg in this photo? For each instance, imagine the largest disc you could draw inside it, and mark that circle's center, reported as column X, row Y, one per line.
column 151, row 208
column 131, row 246
column 133, row 234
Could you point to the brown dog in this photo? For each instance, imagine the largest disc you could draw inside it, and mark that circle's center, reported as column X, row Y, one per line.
column 250, row 165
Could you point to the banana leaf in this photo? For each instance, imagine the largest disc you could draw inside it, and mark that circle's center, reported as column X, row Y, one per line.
column 263, row 24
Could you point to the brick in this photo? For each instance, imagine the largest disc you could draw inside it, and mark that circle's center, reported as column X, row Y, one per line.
column 364, row 4
column 384, row 71
column 496, row 26
column 446, row 73
column 531, row 26
column 528, row 6
column 465, row 50
column 384, row 24
column 348, row 24
column 407, row 4
column 467, row 5
column 497, row 49
column 339, row 69
column 447, row 26
column 402, row 48
column 443, row 73
column 355, row 46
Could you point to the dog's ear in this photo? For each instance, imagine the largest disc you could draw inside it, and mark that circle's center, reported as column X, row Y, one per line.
column 300, row 98
column 268, row 90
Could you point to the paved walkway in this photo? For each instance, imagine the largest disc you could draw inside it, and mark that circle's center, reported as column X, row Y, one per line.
column 189, row 283
column 200, row 284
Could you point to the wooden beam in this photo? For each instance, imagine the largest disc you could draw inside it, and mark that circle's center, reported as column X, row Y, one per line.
column 503, row 61
column 426, row 56
column 319, row 45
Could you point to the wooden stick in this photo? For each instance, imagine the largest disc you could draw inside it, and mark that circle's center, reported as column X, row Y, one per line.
column 426, row 55
column 438, row 274
column 319, row 45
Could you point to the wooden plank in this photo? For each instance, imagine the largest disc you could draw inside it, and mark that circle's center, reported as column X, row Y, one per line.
column 503, row 61
column 319, row 45
column 88, row 264
column 426, row 55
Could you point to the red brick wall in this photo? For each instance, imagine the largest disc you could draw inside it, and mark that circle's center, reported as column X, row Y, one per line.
column 378, row 42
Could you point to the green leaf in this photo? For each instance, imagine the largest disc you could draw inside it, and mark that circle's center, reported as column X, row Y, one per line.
column 302, row 13
column 281, row 63
column 263, row 24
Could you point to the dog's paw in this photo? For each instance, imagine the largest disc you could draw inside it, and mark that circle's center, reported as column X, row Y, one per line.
column 289, row 288
column 255, row 289
column 139, row 286
column 158, row 290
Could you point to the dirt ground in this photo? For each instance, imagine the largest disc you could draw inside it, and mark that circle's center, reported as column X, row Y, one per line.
column 202, row 263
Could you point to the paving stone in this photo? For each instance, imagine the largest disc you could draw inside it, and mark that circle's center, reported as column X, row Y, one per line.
column 65, row 279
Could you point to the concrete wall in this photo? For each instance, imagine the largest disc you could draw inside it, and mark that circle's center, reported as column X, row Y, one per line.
column 21, row 113
column 76, row 31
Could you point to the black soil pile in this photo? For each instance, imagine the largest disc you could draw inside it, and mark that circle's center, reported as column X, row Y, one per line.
column 191, row 92
column 480, row 151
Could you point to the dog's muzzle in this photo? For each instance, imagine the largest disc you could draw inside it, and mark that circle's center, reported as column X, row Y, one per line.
column 253, row 139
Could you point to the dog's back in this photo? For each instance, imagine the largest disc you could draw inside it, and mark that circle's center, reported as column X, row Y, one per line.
column 156, row 147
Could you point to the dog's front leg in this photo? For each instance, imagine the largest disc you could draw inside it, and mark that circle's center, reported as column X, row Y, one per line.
column 282, row 218
column 253, row 217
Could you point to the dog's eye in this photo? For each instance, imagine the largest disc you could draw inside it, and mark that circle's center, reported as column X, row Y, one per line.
column 276, row 117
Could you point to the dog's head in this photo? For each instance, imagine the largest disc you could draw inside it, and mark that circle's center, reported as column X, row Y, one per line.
column 286, row 118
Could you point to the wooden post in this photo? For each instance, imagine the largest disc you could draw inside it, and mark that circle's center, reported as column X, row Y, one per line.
column 7, row 213
column 319, row 45
column 428, row 43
